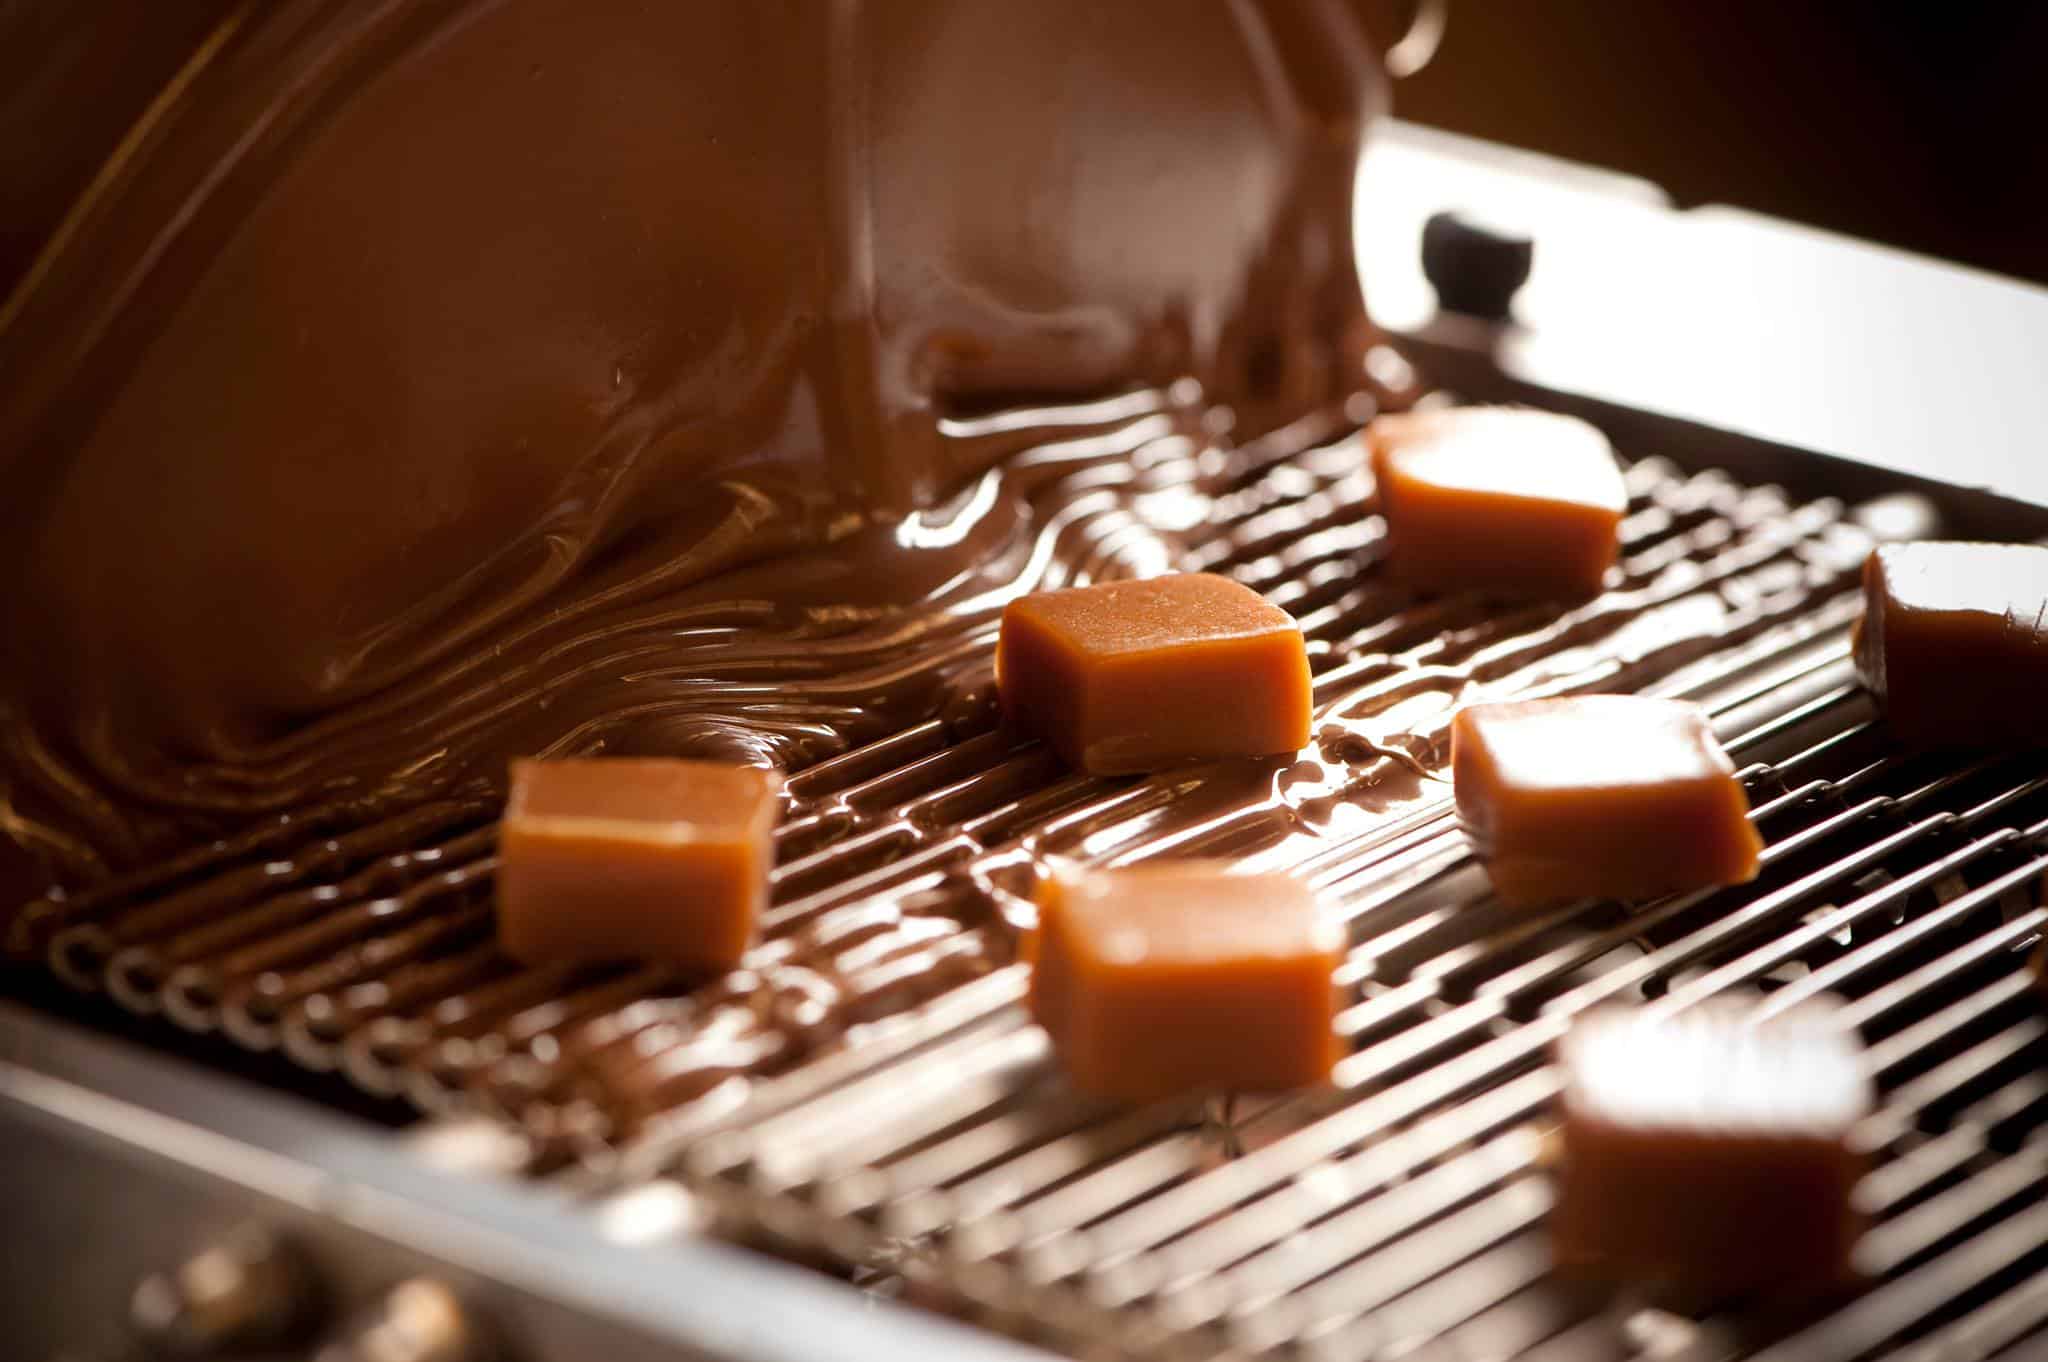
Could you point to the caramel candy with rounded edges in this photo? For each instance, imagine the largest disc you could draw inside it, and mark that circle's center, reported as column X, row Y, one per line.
column 1504, row 500
column 635, row 859
column 1954, row 642
column 1134, row 676
column 1599, row 796
column 1181, row 977
column 1707, row 1153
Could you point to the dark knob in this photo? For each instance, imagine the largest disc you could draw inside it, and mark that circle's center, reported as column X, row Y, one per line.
column 1474, row 266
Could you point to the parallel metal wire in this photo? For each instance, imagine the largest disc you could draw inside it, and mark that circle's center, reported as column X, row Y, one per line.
column 1402, row 1211
column 1413, row 1211
column 366, row 950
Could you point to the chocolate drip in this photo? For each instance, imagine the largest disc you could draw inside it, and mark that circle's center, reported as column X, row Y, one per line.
column 444, row 380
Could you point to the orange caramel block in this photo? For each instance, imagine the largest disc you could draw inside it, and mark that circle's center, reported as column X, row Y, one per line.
column 1599, row 796
column 1708, row 1153
column 1504, row 500
column 1954, row 642
column 1135, row 676
column 621, row 858
column 1181, row 977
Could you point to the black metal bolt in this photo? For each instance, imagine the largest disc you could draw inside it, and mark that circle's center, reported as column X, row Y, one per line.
column 1474, row 266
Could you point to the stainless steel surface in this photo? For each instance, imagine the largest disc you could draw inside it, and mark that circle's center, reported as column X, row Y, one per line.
column 940, row 1159
column 419, row 1320
column 121, row 1162
column 1721, row 317
column 246, row 1291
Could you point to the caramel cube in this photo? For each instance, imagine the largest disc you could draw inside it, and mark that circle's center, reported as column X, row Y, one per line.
column 1503, row 500
column 635, row 859
column 1599, row 796
column 1705, row 1152
column 1135, row 676
column 1181, row 977
column 1954, row 642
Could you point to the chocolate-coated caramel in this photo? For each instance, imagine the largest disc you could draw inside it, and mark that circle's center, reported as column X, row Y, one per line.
column 1954, row 642
column 434, row 382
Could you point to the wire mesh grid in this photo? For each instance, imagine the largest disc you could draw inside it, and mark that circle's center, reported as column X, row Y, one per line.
column 894, row 1113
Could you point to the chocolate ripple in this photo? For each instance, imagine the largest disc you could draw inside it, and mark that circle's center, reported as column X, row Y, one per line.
column 915, row 829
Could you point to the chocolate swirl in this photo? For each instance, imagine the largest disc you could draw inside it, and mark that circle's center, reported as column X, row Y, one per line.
column 434, row 381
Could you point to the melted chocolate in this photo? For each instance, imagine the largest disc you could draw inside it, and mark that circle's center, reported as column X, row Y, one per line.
column 466, row 379
column 359, row 937
column 579, row 375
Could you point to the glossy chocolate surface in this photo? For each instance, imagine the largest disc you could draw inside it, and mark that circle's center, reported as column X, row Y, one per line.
column 564, row 375
column 357, row 934
column 346, row 917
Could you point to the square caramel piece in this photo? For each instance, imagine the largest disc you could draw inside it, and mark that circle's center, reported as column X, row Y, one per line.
column 1708, row 1153
column 1179, row 978
column 1599, row 796
column 1954, row 642
column 1508, row 501
column 1124, row 677
column 627, row 858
